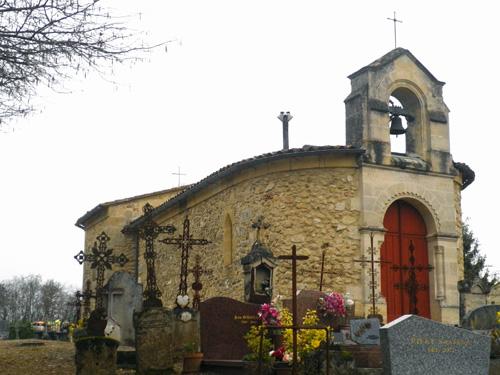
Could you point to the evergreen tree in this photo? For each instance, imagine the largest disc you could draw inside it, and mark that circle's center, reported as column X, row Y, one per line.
column 474, row 262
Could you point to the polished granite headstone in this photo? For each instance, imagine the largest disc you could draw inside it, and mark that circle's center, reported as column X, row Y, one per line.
column 415, row 345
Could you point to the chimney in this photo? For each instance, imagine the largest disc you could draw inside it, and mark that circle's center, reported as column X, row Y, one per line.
column 285, row 117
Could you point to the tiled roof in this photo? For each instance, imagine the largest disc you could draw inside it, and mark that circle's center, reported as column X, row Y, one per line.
column 231, row 168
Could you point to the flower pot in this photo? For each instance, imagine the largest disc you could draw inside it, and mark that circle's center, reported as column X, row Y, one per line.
column 192, row 362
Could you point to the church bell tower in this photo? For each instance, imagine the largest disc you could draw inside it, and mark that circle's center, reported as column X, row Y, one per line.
column 398, row 87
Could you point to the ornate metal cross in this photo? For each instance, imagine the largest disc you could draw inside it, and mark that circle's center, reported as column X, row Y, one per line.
column 86, row 296
column 294, row 258
column 394, row 20
column 411, row 286
column 149, row 232
column 259, row 224
column 185, row 243
column 197, row 271
column 77, row 304
column 101, row 258
column 373, row 273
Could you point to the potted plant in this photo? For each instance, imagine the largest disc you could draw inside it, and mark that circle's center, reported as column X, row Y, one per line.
column 331, row 309
column 192, row 358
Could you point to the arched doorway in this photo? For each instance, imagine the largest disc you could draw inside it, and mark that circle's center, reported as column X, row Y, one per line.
column 405, row 279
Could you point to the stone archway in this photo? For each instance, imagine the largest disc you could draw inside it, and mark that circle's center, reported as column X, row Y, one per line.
column 404, row 277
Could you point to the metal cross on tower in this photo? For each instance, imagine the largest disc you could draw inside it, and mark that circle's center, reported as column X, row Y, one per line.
column 373, row 273
column 149, row 232
column 101, row 258
column 294, row 258
column 394, row 20
column 411, row 286
column 197, row 271
column 185, row 243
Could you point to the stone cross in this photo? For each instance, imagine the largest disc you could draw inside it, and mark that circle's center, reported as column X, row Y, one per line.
column 259, row 224
column 197, row 271
column 101, row 258
column 394, row 20
column 411, row 286
column 294, row 258
column 373, row 273
column 149, row 232
column 185, row 243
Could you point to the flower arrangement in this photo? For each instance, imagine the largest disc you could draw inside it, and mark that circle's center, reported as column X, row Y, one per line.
column 269, row 315
column 332, row 304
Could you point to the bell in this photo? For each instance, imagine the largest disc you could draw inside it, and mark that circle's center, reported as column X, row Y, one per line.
column 396, row 125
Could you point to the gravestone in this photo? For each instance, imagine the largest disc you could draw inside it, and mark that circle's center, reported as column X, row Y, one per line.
column 365, row 331
column 306, row 300
column 224, row 322
column 482, row 318
column 122, row 298
column 415, row 345
column 154, row 340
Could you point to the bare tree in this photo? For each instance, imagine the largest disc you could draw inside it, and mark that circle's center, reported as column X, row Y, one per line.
column 43, row 42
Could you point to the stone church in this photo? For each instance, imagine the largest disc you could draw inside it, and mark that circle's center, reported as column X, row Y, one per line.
column 328, row 201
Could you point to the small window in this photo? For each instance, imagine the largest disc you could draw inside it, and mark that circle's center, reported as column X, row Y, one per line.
column 228, row 241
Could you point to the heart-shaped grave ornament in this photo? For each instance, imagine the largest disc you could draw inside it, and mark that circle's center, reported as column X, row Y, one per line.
column 182, row 301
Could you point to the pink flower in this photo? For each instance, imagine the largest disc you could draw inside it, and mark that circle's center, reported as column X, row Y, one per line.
column 332, row 304
column 279, row 353
column 269, row 315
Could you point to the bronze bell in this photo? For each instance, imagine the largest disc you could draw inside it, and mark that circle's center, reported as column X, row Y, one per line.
column 396, row 125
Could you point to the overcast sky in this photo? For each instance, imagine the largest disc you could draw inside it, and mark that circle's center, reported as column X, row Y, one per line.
column 213, row 98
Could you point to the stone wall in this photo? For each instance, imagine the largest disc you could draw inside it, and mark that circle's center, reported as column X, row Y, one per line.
column 314, row 209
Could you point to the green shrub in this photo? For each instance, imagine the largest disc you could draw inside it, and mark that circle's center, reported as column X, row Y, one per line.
column 24, row 329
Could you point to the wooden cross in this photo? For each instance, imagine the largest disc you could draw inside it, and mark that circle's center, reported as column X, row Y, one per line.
column 411, row 286
column 373, row 284
column 101, row 258
column 179, row 174
column 197, row 271
column 149, row 232
column 185, row 243
column 394, row 20
column 259, row 224
column 294, row 257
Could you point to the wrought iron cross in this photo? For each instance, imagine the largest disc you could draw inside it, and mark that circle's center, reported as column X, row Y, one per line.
column 101, row 258
column 411, row 286
column 394, row 20
column 373, row 273
column 185, row 243
column 259, row 224
column 322, row 272
column 77, row 304
column 86, row 296
column 149, row 232
column 294, row 258
column 197, row 271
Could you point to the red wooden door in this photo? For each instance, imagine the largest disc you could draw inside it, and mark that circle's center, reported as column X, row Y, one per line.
column 404, row 225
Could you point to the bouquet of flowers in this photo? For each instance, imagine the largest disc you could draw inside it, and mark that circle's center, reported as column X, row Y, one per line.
column 269, row 315
column 332, row 304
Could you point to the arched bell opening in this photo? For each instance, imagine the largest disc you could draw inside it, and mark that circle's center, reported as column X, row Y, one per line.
column 405, row 122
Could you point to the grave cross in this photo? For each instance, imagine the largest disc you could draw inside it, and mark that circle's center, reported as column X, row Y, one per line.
column 185, row 243
column 149, row 232
column 86, row 296
column 411, row 286
column 77, row 304
column 373, row 273
column 294, row 258
column 101, row 258
column 197, row 271
column 323, row 272
column 394, row 20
